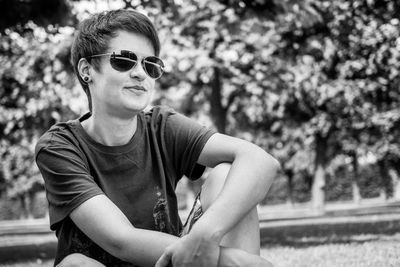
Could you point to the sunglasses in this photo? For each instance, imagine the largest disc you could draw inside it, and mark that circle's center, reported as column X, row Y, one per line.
column 126, row 60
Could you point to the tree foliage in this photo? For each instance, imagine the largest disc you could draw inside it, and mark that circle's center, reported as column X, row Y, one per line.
column 308, row 80
column 41, row 12
column 36, row 90
column 316, row 83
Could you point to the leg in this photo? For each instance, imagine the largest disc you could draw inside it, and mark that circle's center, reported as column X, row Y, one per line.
column 246, row 234
column 79, row 260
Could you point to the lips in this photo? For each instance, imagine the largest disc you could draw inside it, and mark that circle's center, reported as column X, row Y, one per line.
column 136, row 87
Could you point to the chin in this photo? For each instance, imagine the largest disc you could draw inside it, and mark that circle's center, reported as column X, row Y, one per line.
column 138, row 107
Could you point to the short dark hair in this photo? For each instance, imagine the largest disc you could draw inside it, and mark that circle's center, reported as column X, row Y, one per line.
column 95, row 32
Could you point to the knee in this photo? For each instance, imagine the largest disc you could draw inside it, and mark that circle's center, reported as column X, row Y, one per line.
column 78, row 260
column 213, row 184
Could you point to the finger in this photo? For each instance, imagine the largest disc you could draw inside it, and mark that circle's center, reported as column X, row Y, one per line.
column 164, row 260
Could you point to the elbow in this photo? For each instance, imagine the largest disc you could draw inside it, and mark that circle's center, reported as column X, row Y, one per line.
column 266, row 169
column 118, row 246
column 129, row 248
column 117, row 249
column 269, row 165
column 123, row 255
column 270, row 168
column 274, row 165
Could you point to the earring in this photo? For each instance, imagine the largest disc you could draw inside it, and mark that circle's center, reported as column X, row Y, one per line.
column 86, row 79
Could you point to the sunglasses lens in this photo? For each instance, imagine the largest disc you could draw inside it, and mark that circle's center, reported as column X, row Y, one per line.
column 154, row 67
column 122, row 63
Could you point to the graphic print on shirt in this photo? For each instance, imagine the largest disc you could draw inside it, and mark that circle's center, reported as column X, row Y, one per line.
column 160, row 215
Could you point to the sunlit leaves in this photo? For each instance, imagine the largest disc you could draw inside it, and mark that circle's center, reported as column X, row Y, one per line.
column 37, row 90
column 280, row 73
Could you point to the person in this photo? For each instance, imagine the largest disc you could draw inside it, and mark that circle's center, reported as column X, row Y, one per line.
column 110, row 175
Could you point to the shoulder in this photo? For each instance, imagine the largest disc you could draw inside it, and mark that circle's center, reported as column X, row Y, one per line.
column 60, row 134
column 158, row 116
column 157, row 113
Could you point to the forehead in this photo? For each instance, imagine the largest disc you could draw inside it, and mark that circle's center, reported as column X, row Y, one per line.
column 131, row 41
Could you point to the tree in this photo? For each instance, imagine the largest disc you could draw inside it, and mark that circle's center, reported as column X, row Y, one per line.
column 41, row 12
column 344, row 74
column 36, row 90
column 313, row 82
column 281, row 66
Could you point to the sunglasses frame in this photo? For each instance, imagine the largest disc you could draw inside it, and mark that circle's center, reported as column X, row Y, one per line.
column 126, row 57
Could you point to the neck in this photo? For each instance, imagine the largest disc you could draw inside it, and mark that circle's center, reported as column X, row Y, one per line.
column 110, row 131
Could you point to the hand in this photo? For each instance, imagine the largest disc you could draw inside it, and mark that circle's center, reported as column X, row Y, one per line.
column 191, row 250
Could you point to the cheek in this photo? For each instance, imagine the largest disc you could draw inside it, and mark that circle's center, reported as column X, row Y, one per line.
column 151, row 83
column 114, row 80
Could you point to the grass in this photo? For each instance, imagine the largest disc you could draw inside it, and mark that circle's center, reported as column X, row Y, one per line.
column 360, row 250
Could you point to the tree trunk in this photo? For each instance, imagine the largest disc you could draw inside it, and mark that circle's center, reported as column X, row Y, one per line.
column 395, row 182
column 318, row 186
column 289, row 175
column 26, row 212
column 354, row 182
column 218, row 111
column 31, row 201
column 382, row 194
column 318, row 193
column 23, row 207
column 356, row 192
column 385, row 180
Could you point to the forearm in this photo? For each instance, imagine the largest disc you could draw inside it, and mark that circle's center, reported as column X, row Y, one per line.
column 115, row 233
column 152, row 245
column 250, row 176
column 142, row 247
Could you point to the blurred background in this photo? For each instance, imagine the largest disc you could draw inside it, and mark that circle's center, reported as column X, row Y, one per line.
column 315, row 83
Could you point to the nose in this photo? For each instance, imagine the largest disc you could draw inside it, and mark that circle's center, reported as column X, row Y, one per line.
column 138, row 72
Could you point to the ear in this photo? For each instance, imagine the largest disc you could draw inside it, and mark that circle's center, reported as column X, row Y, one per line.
column 84, row 68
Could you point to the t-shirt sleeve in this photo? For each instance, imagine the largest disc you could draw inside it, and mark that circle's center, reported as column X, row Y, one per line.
column 67, row 180
column 185, row 140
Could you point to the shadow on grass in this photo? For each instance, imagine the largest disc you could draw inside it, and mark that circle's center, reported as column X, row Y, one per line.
column 317, row 241
column 318, row 234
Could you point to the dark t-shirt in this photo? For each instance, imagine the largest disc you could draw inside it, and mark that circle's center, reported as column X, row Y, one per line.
column 139, row 177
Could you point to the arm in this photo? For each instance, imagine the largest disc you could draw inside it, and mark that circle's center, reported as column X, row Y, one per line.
column 67, row 181
column 103, row 222
column 115, row 234
column 248, row 181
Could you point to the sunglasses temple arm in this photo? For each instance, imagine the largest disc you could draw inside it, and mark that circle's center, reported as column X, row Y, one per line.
column 101, row 55
column 154, row 64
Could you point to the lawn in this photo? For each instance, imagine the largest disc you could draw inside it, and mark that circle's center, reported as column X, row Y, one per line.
column 361, row 250
column 365, row 251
